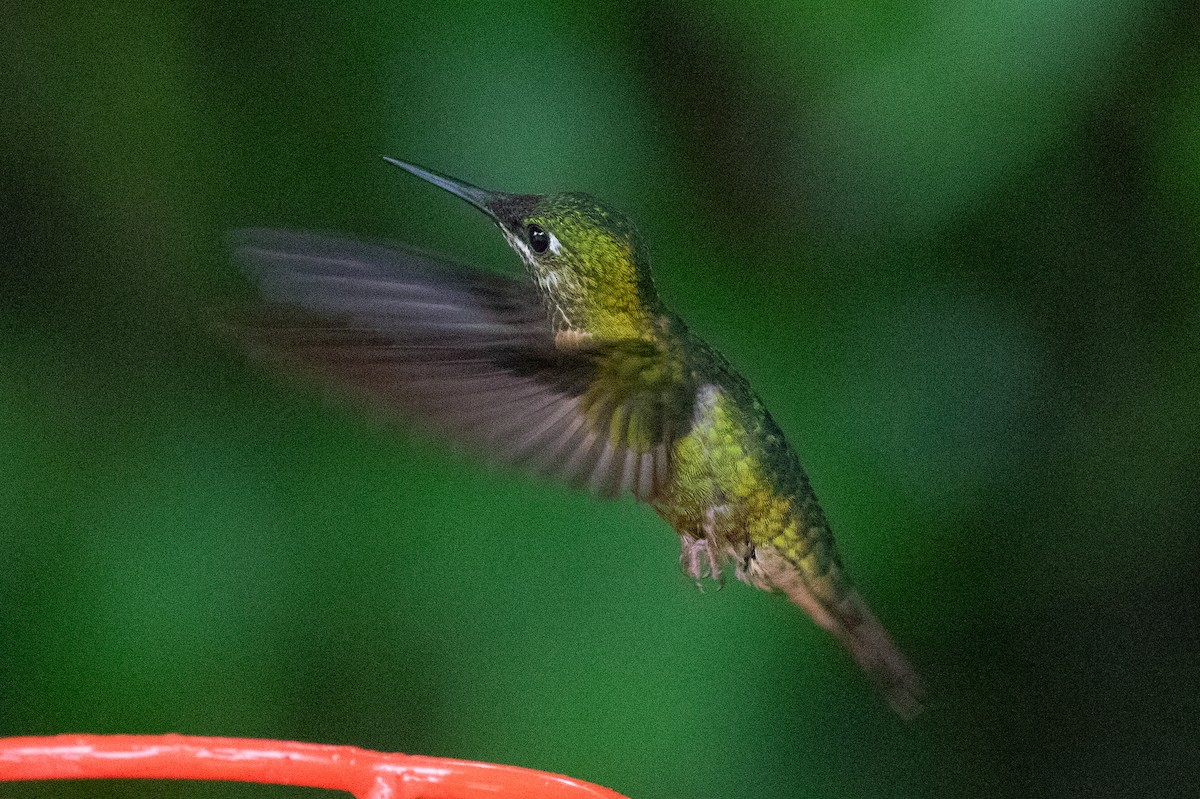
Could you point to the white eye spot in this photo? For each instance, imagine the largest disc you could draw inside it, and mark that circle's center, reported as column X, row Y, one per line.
column 555, row 244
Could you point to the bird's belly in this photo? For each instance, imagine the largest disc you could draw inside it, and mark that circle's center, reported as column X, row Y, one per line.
column 694, row 487
column 719, row 488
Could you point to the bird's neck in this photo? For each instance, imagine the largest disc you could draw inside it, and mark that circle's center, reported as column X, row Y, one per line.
column 618, row 305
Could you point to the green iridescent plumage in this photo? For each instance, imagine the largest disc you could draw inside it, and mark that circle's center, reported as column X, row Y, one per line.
column 580, row 374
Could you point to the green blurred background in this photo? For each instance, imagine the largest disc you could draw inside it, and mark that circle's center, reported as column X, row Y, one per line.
column 953, row 245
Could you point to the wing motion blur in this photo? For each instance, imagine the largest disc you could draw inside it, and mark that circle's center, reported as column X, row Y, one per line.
column 472, row 353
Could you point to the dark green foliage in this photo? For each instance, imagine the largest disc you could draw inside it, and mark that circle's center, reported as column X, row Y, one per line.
column 952, row 246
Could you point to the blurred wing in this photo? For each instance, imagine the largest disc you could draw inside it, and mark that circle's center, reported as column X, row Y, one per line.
column 473, row 353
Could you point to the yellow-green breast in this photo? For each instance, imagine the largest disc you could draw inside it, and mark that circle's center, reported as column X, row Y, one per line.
column 735, row 479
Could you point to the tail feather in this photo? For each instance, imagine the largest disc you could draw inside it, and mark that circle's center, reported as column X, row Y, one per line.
column 851, row 622
column 874, row 651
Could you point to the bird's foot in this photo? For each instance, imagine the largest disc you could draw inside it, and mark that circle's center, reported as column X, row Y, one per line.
column 698, row 560
column 749, row 568
column 746, row 567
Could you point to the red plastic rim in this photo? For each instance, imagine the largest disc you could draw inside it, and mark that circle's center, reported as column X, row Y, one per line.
column 365, row 774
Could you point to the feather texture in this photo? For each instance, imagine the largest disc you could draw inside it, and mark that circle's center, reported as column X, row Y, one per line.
column 472, row 353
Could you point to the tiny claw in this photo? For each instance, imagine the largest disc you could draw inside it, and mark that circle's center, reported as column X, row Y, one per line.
column 742, row 569
column 698, row 560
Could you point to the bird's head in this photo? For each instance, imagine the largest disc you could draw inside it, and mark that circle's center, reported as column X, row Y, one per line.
column 587, row 258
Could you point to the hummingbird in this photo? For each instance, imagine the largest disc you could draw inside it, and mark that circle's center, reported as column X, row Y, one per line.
column 579, row 372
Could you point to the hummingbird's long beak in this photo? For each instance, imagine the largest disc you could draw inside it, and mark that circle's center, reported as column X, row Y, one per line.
column 480, row 198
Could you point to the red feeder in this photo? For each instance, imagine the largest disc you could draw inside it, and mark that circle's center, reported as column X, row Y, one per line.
column 365, row 774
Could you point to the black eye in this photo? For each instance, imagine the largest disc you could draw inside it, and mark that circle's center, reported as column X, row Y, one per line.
column 539, row 239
